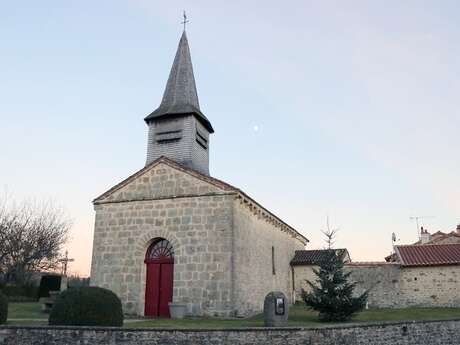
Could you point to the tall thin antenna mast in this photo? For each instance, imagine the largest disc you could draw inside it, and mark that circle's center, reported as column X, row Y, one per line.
column 416, row 218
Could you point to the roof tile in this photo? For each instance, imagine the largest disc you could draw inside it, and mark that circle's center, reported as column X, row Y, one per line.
column 429, row 255
column 312, row 257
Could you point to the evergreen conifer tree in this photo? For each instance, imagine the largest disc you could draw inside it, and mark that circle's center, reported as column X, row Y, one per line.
column 332, row 294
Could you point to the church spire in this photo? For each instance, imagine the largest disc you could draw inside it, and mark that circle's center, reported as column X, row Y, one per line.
column 177, row 128
column 180, row 95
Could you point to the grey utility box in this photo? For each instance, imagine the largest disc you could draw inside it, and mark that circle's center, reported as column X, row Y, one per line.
column 275, row 310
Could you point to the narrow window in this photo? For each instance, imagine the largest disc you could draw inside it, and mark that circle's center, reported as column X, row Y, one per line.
column 273, row 260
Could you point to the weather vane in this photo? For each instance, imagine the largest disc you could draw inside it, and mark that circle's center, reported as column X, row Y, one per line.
column 185, row 20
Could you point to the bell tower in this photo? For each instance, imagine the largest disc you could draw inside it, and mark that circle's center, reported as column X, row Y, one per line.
column 177, row 128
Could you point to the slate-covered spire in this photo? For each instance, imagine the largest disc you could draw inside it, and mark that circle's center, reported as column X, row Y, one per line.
column 180, row 95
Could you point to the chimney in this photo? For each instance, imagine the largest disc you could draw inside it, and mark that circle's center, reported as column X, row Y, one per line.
column 458, row 228
column 425, row 236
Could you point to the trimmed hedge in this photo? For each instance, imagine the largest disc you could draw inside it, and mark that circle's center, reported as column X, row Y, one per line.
column 87, row 306
column 20, row 293
column 3, row 308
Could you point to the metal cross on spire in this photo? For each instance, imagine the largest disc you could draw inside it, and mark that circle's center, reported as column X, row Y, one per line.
column 185, row 20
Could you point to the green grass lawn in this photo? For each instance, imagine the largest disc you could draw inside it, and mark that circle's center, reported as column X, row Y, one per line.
column 25, row 310
column 299, row 316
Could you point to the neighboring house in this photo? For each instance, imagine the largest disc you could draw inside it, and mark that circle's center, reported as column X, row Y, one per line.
column 418, row 275
column 439, row 237
column 430, row 274
column 172, row 233
column 303, row 264
column 426, row 238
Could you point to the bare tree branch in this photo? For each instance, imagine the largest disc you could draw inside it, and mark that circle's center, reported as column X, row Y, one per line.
column 31, row 237
column 330, row 234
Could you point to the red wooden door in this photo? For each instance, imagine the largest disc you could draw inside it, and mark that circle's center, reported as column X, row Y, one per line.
column 152, row 290
column 159, row 279
column 166, row 284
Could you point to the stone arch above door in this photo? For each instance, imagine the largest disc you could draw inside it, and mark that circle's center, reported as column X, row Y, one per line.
column 141, row 245
column 159, row 261
column 160, row 250
column 144, row 241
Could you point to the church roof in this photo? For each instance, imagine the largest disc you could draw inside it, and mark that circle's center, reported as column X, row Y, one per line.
column 180, row 95
column 212, row 180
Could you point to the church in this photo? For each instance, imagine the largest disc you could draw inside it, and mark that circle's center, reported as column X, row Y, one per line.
column 170, row 232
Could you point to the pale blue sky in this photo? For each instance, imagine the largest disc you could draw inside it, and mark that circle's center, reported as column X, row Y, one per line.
column 357, row 104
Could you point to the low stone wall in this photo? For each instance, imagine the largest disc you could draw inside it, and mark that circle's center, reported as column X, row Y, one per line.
column 393, row 286
column 402, row 333
column 382, row 281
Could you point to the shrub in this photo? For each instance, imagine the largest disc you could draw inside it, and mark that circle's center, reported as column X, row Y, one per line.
column 87, row 306
column 76, row 281
column 20, row 293
column 49, row 283
column 21, row 299
column 3, row 308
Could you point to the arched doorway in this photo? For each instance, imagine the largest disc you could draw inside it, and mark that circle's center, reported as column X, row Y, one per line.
column 159, row 279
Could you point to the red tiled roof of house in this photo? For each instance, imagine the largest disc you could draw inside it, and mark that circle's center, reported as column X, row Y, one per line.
column 428, row 255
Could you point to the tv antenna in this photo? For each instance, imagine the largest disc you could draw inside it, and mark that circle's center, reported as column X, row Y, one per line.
column 417, row 218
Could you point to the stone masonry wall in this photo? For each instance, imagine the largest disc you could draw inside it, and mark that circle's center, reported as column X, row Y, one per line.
column 253, row 271
column 160, row 182
column 302, row 273
column 159, row 203
column 382, row 281
column 431, row 286
column 393, row 286
column 402, row 333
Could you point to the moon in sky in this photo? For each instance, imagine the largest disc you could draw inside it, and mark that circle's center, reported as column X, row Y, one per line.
column 256, row 128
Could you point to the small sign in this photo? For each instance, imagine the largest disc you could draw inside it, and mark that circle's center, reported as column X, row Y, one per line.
column 279, row 306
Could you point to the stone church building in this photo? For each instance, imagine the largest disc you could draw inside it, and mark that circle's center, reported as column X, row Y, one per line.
column 172, row 233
